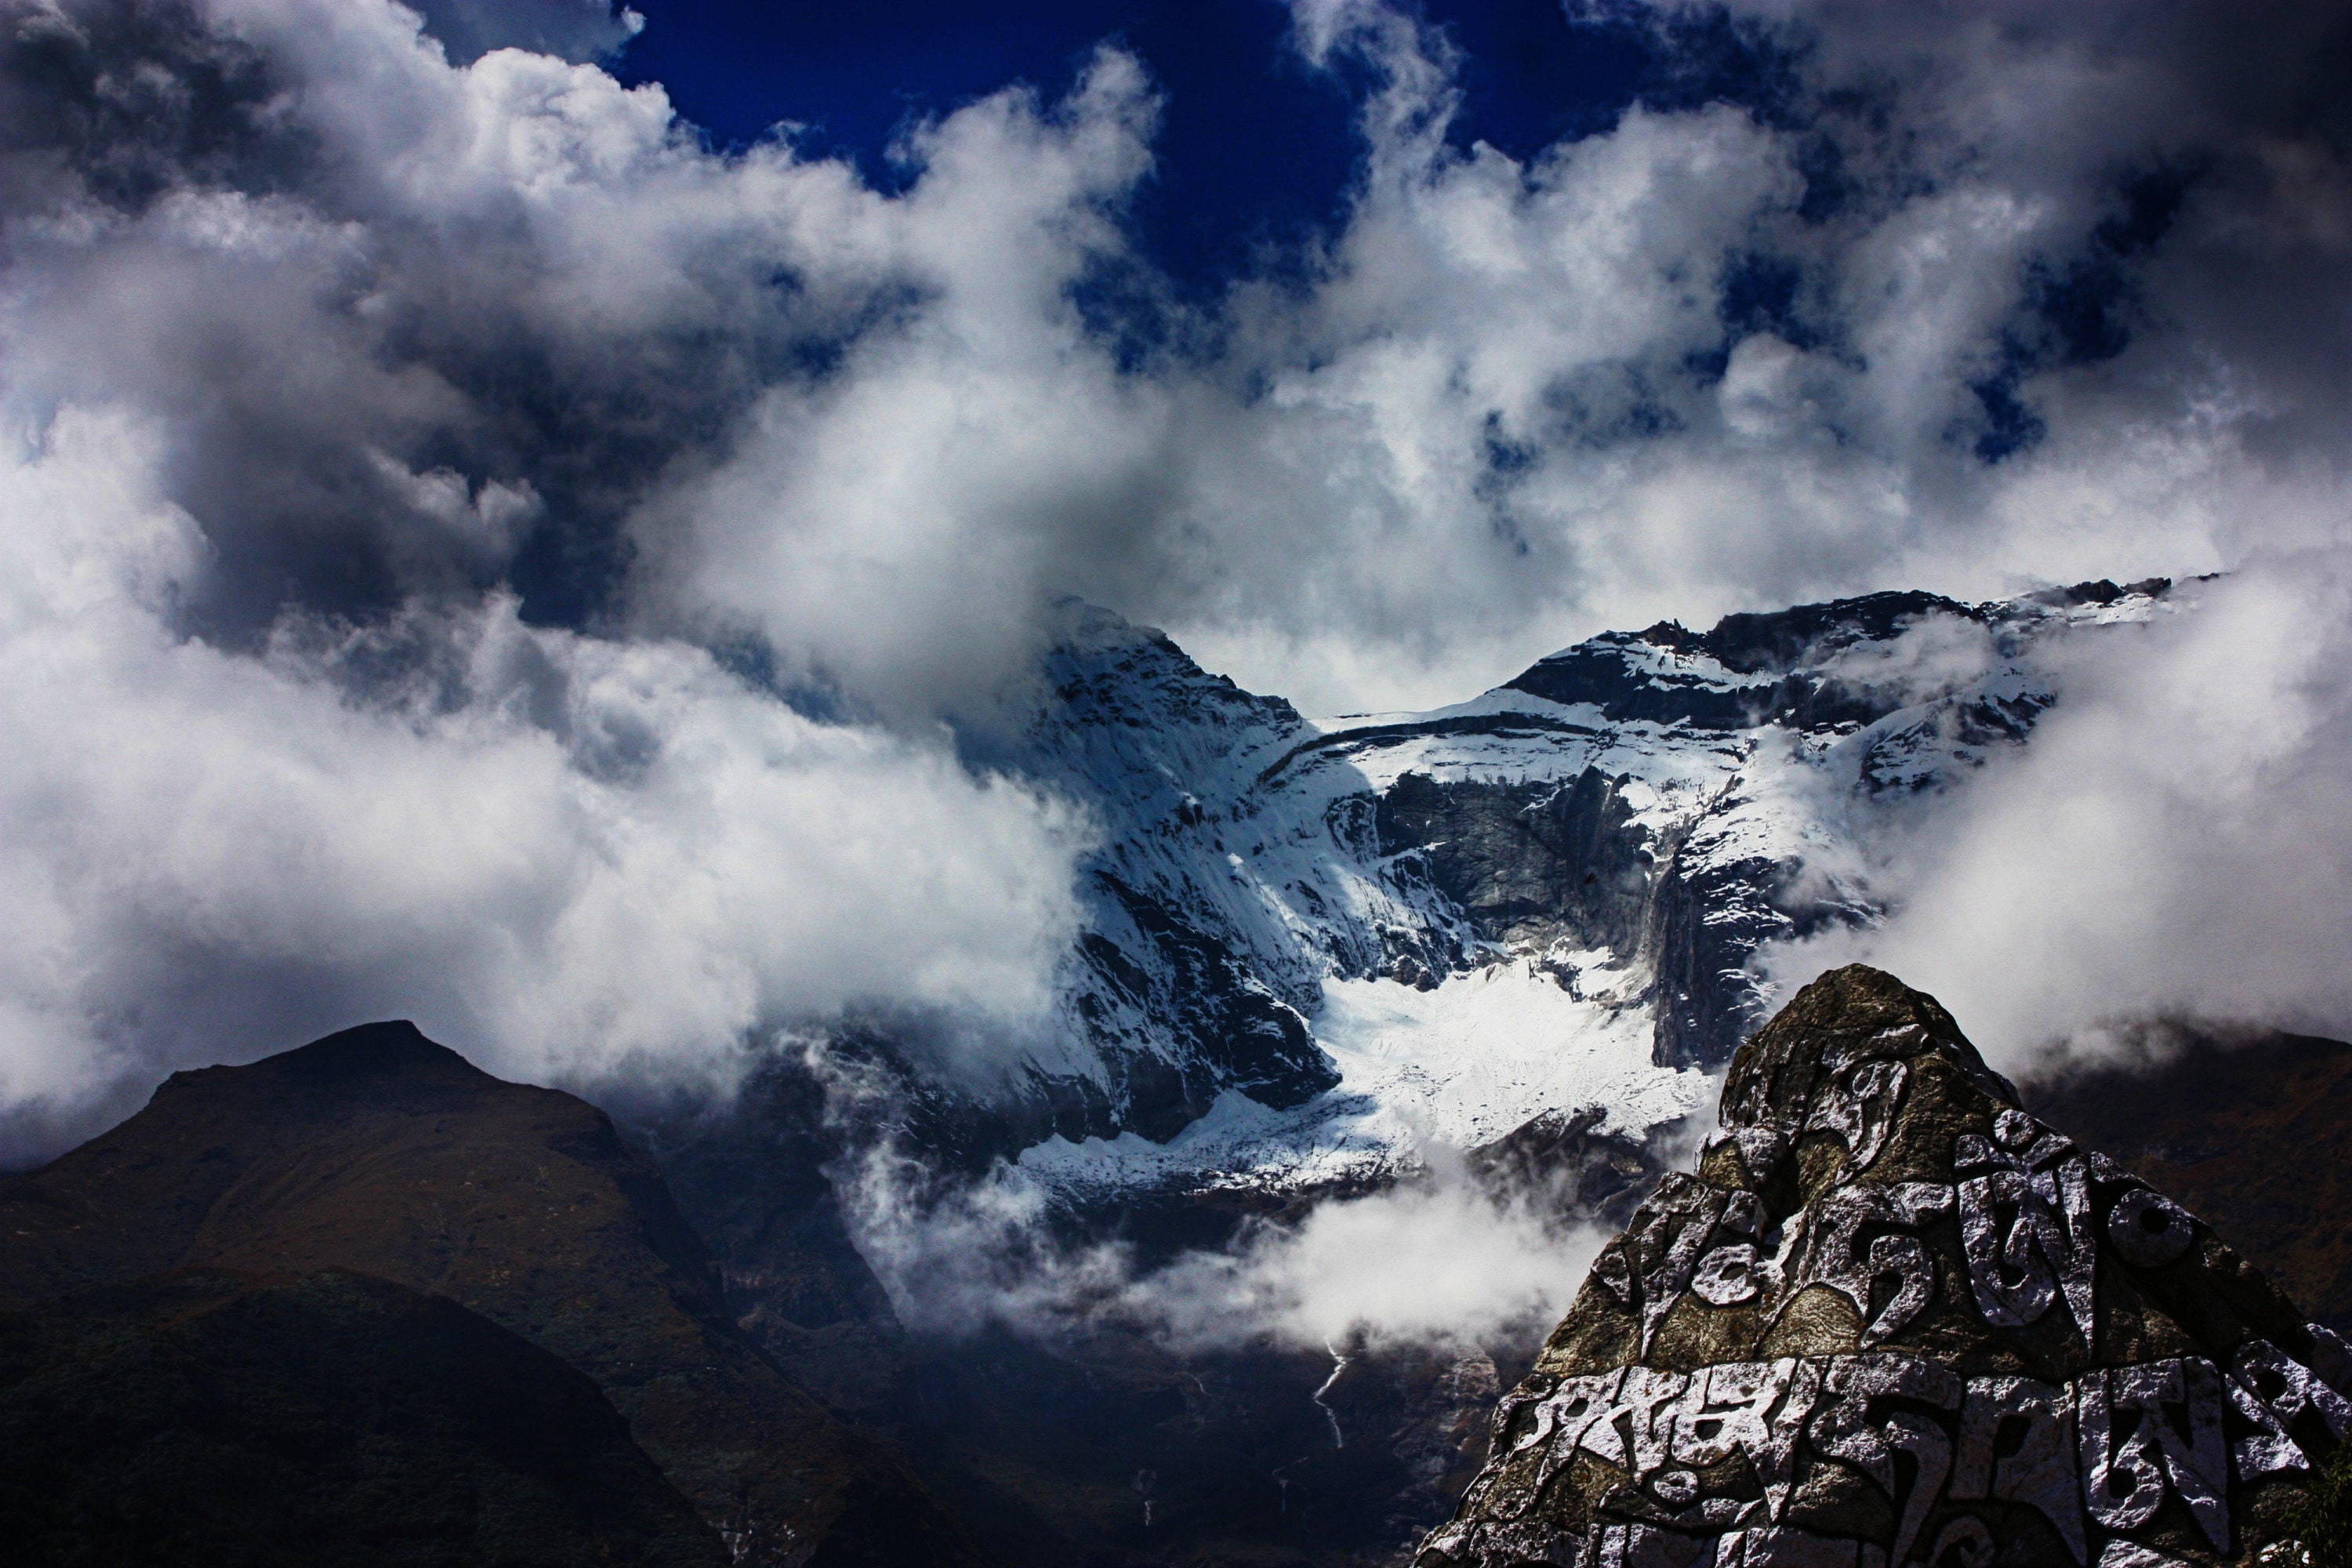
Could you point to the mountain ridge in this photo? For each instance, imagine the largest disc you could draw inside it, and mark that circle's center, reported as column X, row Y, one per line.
column 377, row 1151
column 1607, row 837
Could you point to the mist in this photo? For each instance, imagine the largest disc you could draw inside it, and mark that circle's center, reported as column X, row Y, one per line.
column 2171, row 848
column 1435, row 1259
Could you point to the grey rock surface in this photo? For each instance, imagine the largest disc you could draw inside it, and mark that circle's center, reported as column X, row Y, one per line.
column 1892, row 1318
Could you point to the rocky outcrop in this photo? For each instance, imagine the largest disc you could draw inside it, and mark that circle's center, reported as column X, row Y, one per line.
column 1892, row 1318
column 1569, row 1164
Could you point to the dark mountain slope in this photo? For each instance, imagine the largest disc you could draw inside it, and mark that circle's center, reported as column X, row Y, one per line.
column 204, row 1418
column 378, row 1151
column 2254, row 1137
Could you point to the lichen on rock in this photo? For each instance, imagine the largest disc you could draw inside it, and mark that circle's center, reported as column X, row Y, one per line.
column 1890, row 1318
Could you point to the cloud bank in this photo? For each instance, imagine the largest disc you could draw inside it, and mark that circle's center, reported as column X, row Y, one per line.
column 1436, row 1260
column 477, row 552
column 2172, row 847
column 573, row 857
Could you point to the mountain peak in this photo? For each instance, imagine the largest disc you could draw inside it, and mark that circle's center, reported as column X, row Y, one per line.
column 367, row 1050
column 394, row 1050
column 1890, row 1318
column 378, row 1150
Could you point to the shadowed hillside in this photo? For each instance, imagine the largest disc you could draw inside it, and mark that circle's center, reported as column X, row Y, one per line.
column 2254, row 1138
column 378, row 1151
column 204, row 1418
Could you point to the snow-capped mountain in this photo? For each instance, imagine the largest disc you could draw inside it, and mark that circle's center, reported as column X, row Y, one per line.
column 1312, row 945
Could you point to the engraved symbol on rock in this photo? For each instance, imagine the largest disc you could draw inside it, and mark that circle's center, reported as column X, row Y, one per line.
column 2143, row 1427
column 1860, row 1108
column 2026, row 1228
column 1779, row 1546
column 1727, row 1277
column 2275, row 1393
column 1641, row 1546
column 2331, row 1358
column 1755, row 1408
column 2017, row 1445
column 2149, row 1229
column 1730, row 1274
column 2132, row 1554
column 1560, row 1423
column 1658, row 1257
column 1860, row 1430
column 1632, row 1429
column 1833, row 1252
column 1964, row 1541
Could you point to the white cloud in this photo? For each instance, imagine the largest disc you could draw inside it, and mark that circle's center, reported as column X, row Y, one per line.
column 1434, row 1263
column 1435, row 1259
column 2173, row 844
column 567, row 856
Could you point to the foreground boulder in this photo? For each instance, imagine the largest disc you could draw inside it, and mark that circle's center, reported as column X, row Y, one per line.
column 1890, row 1318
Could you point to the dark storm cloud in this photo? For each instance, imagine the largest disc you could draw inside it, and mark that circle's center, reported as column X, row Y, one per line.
column 313, row 343
column 299, row 257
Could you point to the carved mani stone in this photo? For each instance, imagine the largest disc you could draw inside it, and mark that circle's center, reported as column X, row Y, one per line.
column 1927, row 1447
column 2143, row 1427
column 2025, row 1228
column 2017, row 1445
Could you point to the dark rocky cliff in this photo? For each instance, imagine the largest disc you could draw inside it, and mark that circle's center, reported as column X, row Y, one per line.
column 1891, row 1317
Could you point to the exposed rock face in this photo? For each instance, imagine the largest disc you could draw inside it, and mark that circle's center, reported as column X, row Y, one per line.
column 1570, row 1163
column 1529, row 862
column 1892, row 1318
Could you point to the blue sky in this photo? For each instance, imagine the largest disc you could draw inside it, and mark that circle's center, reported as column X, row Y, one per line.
column 1254, row 148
